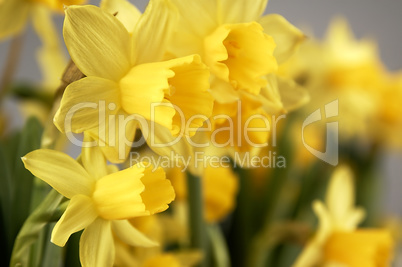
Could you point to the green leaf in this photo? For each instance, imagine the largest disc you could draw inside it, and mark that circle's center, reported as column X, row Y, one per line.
column 32, row 228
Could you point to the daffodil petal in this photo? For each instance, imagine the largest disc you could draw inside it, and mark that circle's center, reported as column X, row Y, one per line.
column 118, row 195
column 270, row 96
column 84, row 101
column 153, row 31
column 195, row 105
column 293, row 96
column 60, row 171
column 79, row 214
column 325, row 226
column 158, row 191
column 97, row 42
column 143, row 91
column 93, row 159
column 222, row 91
column 97, row 244
column 127, row 13
column 50, row 56
column 162, row 142
column 130, row 235
column 286, row 36
column 116, row 145
column 341, row 183
column 242, row 11
column 14, row 15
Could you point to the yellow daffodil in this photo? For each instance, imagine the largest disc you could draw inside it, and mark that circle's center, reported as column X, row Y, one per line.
column 338, row 241
column 242, row 48
column 101, row 200
column 127, row 81
column 238, row 45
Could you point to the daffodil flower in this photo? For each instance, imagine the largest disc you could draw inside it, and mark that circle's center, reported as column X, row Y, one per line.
column 126, row 72
column 242, row 48
column 338, row 241
column 235, row 41
column 101, row 201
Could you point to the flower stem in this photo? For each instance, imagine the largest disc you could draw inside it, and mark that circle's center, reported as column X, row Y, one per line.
column 198, row 235
column 11, row 64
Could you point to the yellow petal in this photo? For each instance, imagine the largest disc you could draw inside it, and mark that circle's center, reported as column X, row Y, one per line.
column 293, row 96
column 117, row 195
column 153, row 31
column 116, row 138
column 286, row 36
column 242, row 11
column 158, row 191
column 325, row 226
column 97, row 245
column 60, row 171
column 223, row 91
column 50, row 56
column 93, row 159
column 195, row 105
column 13, row 17
column 79, row 214
column 197, row 19
column 241, row 54
column 130, row 235
column 84, row 101
column 97, row 42
column 124, row 11
column 162, row 142
column 341, row 183
column 270, row 96
column 145, row 85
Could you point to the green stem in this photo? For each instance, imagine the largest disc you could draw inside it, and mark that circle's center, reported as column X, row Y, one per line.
column 198, row 236
column 218, row 245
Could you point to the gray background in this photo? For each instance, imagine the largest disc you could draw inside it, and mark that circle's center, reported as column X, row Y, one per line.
column 369, row 18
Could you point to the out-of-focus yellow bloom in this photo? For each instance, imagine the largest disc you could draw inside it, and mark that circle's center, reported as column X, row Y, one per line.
column 220, row 186
column 338, row 242
column 101, row 200
column 124, row 72
column 351, row 71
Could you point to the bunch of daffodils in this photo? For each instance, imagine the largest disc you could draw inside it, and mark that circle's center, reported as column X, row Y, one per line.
column 173, row 114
